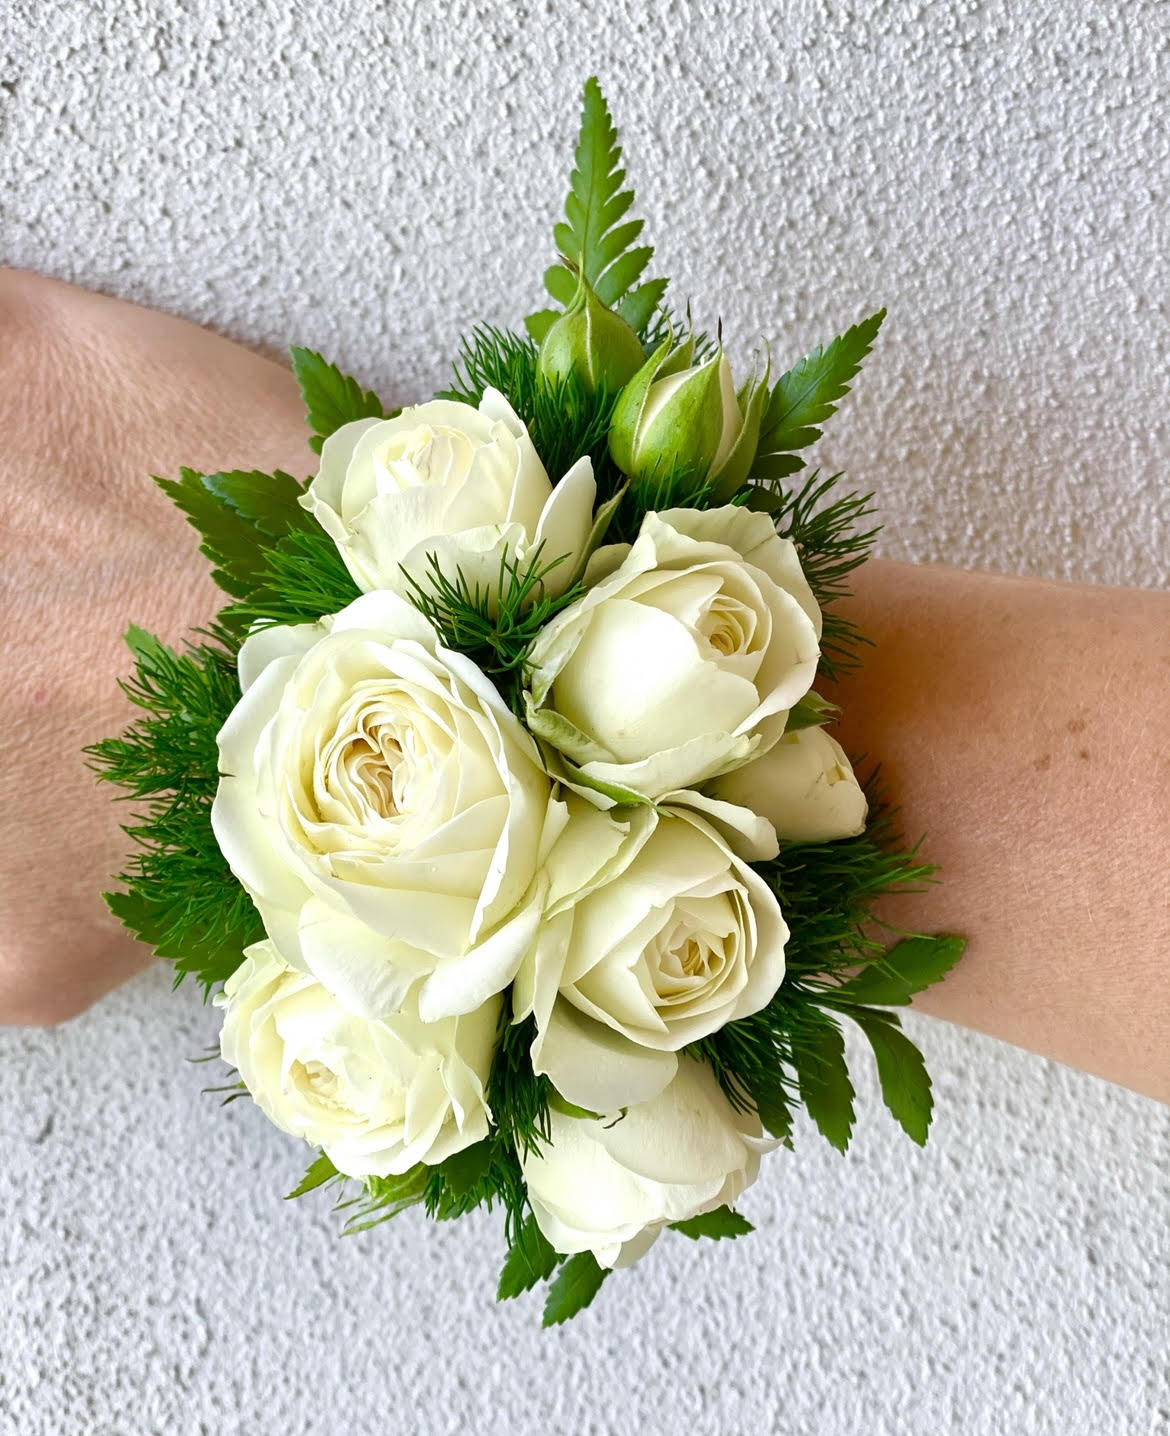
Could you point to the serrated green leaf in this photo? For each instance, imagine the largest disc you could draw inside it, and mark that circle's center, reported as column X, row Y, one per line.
column 775, row 1112
column 331, row 397
column 807, row 395
column 576, row 1284
column 594, row 234
column 722, row 1223
column 530, row 1260
column 825, row 1089
column 638, row 307
column 320, row 1172
column 239, row 515
column 541, row 322
column 905, row 1082
column 910, row 966
column 465, row 1170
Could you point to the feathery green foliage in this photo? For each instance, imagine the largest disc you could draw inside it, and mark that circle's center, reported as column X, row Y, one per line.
column 596, row 234
column 332, row 398
column 791, row 1053
column 494, row 626
column 180, row 896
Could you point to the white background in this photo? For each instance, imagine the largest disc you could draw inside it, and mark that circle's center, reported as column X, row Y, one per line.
column 372, row 179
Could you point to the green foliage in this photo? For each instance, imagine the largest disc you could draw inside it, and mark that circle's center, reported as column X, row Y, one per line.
column 238, row 515
column 564, row 420
column 597, row 236
column 299, row 579
column 321, row 1171
column 530, row 1260
column 792, row 1052
column 331, row 397
column 909, row 967
column 806, row 396
column 818, row 1054
column 902, row 1073
column 833, row 536
column 518, row 1097
column 493, row 626
column 269, row 554
column 181, row 898
column 384, row 1198
column 577, row 1283
column 719, row 1225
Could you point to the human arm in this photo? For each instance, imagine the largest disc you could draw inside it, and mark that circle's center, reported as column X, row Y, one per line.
column 1024, row 728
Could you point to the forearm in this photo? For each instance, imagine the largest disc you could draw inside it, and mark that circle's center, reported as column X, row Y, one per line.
column 1024, row 727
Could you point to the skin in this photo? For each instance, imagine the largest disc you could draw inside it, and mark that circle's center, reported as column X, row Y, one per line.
column 1023, row 725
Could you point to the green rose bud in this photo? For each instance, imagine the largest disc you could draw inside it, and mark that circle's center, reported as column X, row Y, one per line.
column 675, row 413
column 592, row 342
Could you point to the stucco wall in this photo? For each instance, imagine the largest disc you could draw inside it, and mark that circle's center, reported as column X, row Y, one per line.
column 370, row 180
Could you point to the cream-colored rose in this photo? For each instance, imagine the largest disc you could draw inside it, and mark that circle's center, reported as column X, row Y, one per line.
column 610, row 1185
column 446, row 481
column 384, row 809
column 682, row 659
column 654, row 934
column 376, row 1096
column 804, row 786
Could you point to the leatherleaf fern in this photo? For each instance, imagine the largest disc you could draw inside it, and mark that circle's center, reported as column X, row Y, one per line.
column 276, row 565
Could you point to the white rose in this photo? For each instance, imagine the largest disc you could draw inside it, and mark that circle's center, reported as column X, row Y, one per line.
column 376, row 1096
column 804, row 786
column 384, row 809
column 610, row 1185
column 654, row 935
column 683, row 658
column 443, row 479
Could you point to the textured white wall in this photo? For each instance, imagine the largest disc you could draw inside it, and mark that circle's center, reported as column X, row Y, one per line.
column 371, row 179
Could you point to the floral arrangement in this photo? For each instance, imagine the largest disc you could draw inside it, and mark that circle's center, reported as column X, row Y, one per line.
column 498, row 808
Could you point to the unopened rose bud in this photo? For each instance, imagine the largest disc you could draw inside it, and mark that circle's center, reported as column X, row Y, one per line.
column 592, row 342
column 675, row 414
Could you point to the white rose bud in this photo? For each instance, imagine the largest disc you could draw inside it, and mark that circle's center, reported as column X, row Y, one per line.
column 384, row 809
column 804, row 786
column 653, row 935
column 682, row 659
column 446, row 481
column 610, row 1185
column 377, row 1097
column 675, row 414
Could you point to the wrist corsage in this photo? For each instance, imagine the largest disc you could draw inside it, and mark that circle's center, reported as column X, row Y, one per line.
column 499, row 808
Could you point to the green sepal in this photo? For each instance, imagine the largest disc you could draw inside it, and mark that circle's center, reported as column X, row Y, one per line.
column 332, row 398
column 627, row 414
column 577, row 1283
column 811, row 711
column 530, row 1260
column 729, row 478
column 721, row 1224
column 321, row 1171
